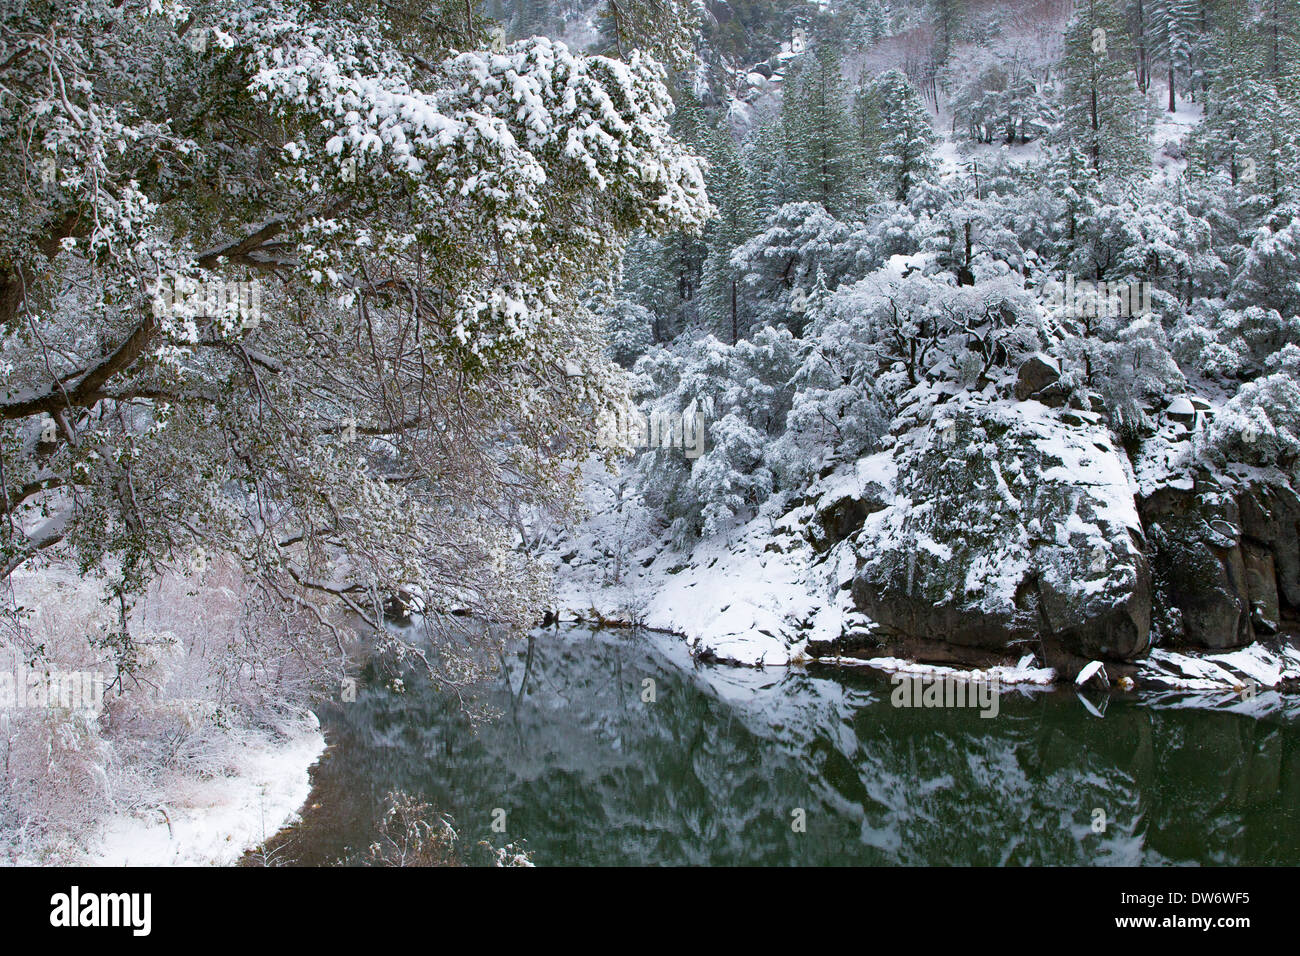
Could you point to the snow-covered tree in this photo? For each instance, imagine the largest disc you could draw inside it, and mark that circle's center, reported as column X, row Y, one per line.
column 815, row 132
column 1259, row 426
column 1001, row 102
column 414, row 358
column 895, row 137
column 1103, row 115
column 1251, row 130
column 743, row 394
column 917, row 329
column 630, row 329
column 737, row 220
column 779, row 267
column 1270, row 275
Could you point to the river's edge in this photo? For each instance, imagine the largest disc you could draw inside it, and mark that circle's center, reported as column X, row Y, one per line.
column 225, row 817
column 764, row 594
column 1242, row 672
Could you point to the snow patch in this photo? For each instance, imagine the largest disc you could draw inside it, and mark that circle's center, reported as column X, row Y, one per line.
column 219, row 819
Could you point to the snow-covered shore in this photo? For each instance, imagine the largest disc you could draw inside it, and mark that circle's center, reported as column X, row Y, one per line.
column 743, row 598
column 193, row 759
column 757, row 596
column 215, row 822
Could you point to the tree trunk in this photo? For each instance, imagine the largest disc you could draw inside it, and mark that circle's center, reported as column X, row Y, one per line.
column 735, row 325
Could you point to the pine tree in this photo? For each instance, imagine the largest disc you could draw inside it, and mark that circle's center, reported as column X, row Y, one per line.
column 1103, row 114
column 769, row 168
column 945, row 17
column 1175, row 39
column 895, row 138
column 664, row 272
column 737, row 220
column 1251, row 130
column 1140, row 15
column 1072, row 179
column 815, row 124
column 1279, row 21
column 870, row 25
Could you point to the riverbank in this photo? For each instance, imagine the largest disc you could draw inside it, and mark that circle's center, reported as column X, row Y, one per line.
column 763, row 596
column 189, row 758
column 214, row 822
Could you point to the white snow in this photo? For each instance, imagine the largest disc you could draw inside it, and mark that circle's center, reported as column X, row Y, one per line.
column 734, row 595
column 1228, row 669
column 219, row 819
column 1086, row 674
column 1021, row 673
column 1169, row 135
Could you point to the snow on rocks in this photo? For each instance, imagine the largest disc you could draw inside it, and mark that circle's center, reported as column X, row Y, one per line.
column 952, row 558
column 1017, row 528
column 968, row 542
column 1091, row 669
column 1024, row 672
column 1259, row 664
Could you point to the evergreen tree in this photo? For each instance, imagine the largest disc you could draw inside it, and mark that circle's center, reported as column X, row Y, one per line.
column 737, row 220
column 870, row 24
column 768, row 165
column 1103, row 114
column 664, row 272
column 1175, row 41
column 945, row 19
column 1251, row 130
column 1279, row 22
column 895, row 138
column 815, row 130
column 630, row 329
column 1072, row 179
column 1141, row 22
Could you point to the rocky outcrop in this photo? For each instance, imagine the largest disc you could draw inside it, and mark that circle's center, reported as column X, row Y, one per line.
column 1225, row 560
column 1006, row 531
column 1270, row 517
column 1199, row 569
column 1002, row 528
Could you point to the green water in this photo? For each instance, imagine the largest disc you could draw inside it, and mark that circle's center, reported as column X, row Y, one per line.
column 713, row 769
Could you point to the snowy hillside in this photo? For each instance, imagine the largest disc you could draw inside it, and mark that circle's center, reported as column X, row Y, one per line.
column 1028, row 288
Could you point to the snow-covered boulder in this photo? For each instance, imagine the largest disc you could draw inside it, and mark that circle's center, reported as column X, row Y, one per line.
column 1008, row 530
column 1036, row 373
column 845, row 499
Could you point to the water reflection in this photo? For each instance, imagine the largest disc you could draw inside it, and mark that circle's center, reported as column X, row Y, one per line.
column 589, row 770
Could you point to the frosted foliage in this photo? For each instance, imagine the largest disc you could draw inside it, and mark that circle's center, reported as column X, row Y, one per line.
column 217, row 670
column 422, row 222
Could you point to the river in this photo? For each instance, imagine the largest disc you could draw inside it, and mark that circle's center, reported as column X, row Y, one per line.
column 590, row 764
